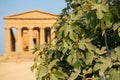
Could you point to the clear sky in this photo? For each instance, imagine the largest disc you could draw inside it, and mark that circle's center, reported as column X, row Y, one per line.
column 8, row 7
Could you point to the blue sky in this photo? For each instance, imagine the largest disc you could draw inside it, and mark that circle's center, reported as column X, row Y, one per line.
column 8, row 7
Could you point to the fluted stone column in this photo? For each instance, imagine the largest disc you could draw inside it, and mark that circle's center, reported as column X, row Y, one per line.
column 42, row 36
column 8, row 41
column 19, row 40
column 30, row 39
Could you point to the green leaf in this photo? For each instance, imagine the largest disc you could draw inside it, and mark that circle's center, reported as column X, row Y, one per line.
column 72, row 36
column 107, row 20
column 118, row 52
column 65, row 44
column 82, row 44
column 97, row 78
column 105, row 7
column 37, row 73
column 116, row 63
column 97, row 66
column 119, row 34
column 60, row 35
column 90, row 47
column 119, row 31
column 114, row 74
column 52, row 63
column 52, row 77
column 114, row 56
column 66, row 30
column 116, row 26
column 102, row 64
column 89, row 58
column 68, row 0
column 76, row 64
column 101, row 51
column 42, row 71
column 89, row 71
column 98, row 9
column 74, row 74
column 34, row 66
column 60, row 74
column 103, row 26
column 72, row 58
column 99, row 14
column 65, row 50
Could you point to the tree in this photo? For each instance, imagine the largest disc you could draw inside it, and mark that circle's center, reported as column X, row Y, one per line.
column 87, row 43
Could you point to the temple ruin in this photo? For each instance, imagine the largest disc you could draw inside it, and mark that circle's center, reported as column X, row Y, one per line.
column 24, row 31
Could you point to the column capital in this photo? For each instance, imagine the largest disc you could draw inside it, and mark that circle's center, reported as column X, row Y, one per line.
column 42, row 26
column 6, row 28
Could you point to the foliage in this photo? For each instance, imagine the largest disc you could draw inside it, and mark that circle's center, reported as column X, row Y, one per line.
column 87, row 43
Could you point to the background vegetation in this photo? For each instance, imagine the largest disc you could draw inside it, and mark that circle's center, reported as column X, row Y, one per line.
column 87, row 43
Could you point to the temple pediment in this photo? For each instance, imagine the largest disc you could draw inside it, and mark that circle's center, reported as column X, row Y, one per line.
column 34, row 14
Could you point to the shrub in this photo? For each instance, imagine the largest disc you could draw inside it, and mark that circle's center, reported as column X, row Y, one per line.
column 87, row 43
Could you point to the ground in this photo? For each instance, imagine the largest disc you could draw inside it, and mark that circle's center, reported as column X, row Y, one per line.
column 16, row 70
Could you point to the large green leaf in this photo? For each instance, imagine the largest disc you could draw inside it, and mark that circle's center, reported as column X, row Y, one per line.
column 116, row 26
column 52, row 63
column 88, row 71
column 100, row 9
column 52, row 77
column 41, row 72
column 100, row 14
column 102, row 64
column 65, row 44
column 90, row 47
column 89, row 58
column 72, row 36
column 114, row 56
column 107, row 20
column 82, row 44
column 61, row 75
column 101, row 51
column 72, row 58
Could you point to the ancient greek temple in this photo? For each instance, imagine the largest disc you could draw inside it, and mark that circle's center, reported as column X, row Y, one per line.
column 26, row 30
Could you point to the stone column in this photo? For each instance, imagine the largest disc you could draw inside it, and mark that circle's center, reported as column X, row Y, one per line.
column 8, row 41
column 30, row 39
column 42, row 36
column 19, row 40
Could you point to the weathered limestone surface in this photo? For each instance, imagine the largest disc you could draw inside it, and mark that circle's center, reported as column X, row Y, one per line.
column 25, row 31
